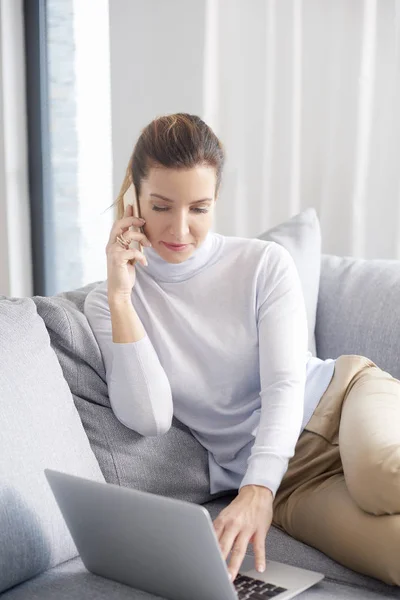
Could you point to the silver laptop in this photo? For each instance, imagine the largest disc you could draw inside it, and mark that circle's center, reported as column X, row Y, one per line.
column 161, row 545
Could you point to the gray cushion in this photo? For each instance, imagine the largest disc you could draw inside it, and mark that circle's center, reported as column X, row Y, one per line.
column 40, row 428
column 359, row 310
column 174, row 465
column 71, row 581
column 301, row 236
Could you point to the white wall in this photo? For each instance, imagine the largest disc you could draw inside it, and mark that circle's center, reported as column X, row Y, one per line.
column 15, row 243
column 155, row 74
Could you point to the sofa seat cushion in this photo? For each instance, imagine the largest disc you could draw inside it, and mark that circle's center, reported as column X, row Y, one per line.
column 71, row 581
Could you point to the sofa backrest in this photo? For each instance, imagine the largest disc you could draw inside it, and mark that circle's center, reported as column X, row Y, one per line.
column 358, row 310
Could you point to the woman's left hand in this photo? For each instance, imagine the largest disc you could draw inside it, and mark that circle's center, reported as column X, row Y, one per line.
column 245, row 520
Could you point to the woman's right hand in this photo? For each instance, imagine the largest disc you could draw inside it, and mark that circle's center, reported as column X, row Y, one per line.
column 121, row 274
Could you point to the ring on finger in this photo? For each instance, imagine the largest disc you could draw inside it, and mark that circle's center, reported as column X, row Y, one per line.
column 123, row 242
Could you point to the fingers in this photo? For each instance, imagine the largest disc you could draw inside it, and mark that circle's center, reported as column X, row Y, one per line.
column 259, row 550
column 130, row 236
column 137, row 237
column 121, row 225
column 238, row 551
column 235, row 541
column 132, row 254
column 226, row 536
column 218, row 527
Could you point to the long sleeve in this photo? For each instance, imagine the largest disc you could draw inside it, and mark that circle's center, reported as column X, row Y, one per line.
column 283, row 338
column 139, row 390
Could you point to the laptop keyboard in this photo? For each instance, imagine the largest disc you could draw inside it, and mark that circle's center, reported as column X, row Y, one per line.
column 255, row 589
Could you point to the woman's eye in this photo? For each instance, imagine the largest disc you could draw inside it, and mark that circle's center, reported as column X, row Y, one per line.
column 198, row 210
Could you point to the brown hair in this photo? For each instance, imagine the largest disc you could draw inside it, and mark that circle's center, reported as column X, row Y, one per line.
column 178, row 141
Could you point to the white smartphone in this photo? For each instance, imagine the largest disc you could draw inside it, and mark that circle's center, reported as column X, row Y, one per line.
column 130, row 198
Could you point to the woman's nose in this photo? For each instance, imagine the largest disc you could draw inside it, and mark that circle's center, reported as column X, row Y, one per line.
column 180, row 226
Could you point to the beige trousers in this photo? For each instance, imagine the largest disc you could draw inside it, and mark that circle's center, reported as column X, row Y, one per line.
column 341, row 492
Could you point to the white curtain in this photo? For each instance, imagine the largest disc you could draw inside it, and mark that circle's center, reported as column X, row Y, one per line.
column 306, row 96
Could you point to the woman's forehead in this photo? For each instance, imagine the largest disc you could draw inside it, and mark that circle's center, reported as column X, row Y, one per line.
column 187, row 185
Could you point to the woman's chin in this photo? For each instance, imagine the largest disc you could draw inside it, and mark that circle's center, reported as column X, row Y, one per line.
column 177, row 258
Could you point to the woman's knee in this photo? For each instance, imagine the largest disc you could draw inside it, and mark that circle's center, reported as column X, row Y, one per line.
column 369, row 443
column 373, row 480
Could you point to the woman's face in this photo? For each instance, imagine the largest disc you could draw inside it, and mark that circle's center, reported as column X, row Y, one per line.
column 178, row 206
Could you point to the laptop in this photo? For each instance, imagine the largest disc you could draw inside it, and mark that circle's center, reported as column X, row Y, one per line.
column 161, row 545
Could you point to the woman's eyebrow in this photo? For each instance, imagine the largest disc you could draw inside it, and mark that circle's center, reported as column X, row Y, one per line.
column 169, row 199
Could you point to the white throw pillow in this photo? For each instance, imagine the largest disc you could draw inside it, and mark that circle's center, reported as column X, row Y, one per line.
column 301, row 236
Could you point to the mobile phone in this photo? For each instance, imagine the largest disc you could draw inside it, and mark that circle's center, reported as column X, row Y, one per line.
column 130, row 198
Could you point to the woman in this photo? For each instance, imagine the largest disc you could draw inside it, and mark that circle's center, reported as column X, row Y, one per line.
column 215, row 332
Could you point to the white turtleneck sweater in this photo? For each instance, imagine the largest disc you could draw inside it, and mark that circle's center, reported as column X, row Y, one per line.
column 225, row 351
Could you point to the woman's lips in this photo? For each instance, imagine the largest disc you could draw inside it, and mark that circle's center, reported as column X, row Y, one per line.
column 176, row 248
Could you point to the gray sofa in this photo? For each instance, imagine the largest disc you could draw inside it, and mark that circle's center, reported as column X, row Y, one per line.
column 45, row 342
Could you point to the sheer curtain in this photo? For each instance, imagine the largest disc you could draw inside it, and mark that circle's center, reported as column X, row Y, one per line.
column 306, row 96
